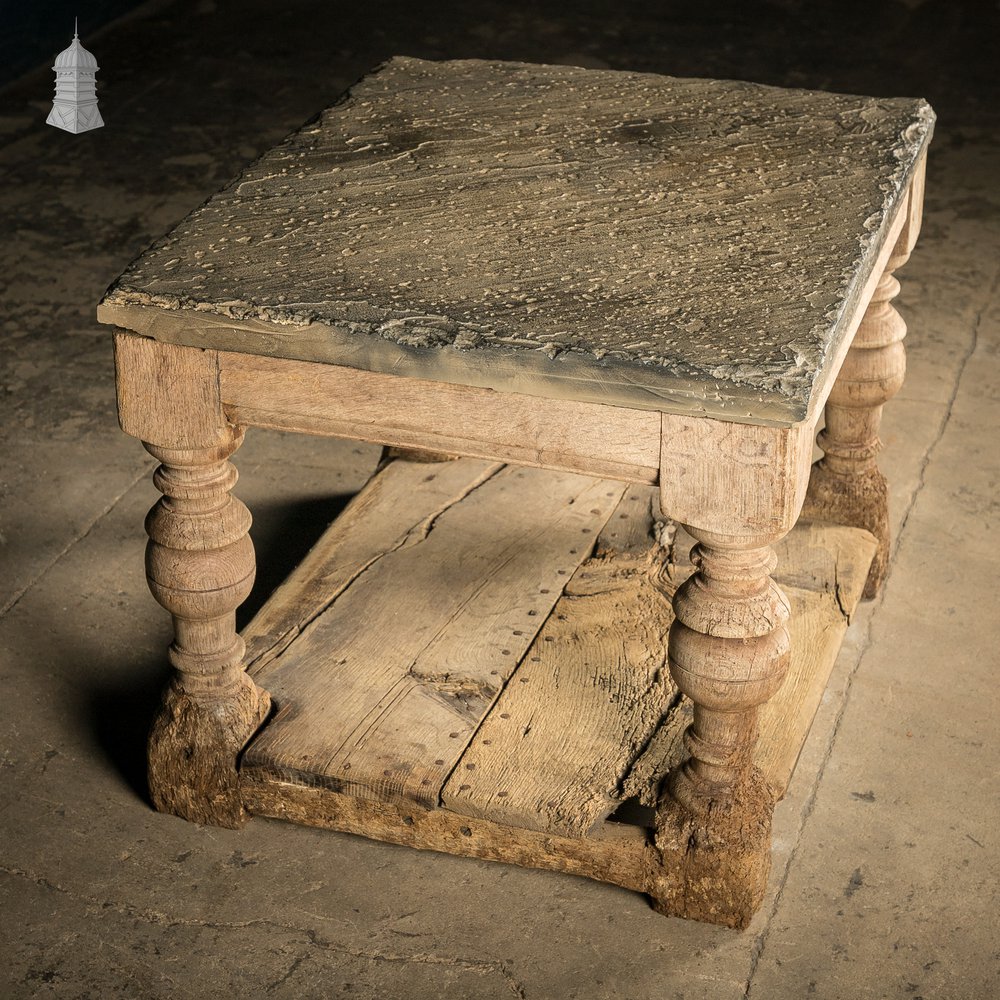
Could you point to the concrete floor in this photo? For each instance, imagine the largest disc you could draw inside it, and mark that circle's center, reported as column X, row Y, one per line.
column 886, row 858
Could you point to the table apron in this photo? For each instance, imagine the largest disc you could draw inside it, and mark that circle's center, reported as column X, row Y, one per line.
column 591, row 438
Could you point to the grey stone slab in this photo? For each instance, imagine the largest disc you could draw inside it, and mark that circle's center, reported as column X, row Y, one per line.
column 691, row 245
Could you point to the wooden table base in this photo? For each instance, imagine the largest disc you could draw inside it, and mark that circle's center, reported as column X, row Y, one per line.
column 473, row 659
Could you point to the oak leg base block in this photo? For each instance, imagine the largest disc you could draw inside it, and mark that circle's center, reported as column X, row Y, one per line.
column 193, row 749
column 715, row 866
column 858, row 500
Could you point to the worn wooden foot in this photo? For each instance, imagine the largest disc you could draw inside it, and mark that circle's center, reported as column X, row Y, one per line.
column 200, row 567
column 846, row 486
column 728, row 650
column 859, row 500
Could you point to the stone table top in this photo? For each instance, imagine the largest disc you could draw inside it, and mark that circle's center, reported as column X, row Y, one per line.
column 696, row 246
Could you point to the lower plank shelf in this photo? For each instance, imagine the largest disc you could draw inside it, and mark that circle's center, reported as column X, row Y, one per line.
column 473, row 660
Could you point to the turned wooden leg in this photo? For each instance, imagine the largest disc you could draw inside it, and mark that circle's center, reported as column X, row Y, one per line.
column 200, row 567
column 729, row 650
column 846, row 485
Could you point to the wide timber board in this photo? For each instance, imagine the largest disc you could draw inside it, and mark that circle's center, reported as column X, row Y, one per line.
column 456, row 654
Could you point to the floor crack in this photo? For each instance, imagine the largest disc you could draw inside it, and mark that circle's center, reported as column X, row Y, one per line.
column 946, row 418
column 37, row 578
column 868, row 641
column 158, row 918
column 424, row 958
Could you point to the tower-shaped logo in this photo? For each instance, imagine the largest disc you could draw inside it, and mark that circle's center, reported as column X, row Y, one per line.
column 75, row 105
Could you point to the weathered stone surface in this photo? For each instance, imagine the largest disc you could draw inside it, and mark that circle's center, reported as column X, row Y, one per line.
column 680, row 244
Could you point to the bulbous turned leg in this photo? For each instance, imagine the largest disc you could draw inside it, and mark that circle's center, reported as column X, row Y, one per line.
column 846, row 486
column 200, row 567
column 728, row 650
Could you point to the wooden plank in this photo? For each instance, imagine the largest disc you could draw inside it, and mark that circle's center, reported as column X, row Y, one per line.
column 630, row 531
column 579, row 710
column 821, row 603
column 583, row 437
column 370, row 698
column 617, row 853
column 397, row 507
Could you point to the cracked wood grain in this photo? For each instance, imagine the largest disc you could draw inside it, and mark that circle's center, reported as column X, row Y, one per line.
column 553, row 753
column 388, row 514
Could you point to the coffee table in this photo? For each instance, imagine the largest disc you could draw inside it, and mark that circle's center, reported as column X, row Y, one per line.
column 600, row 288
